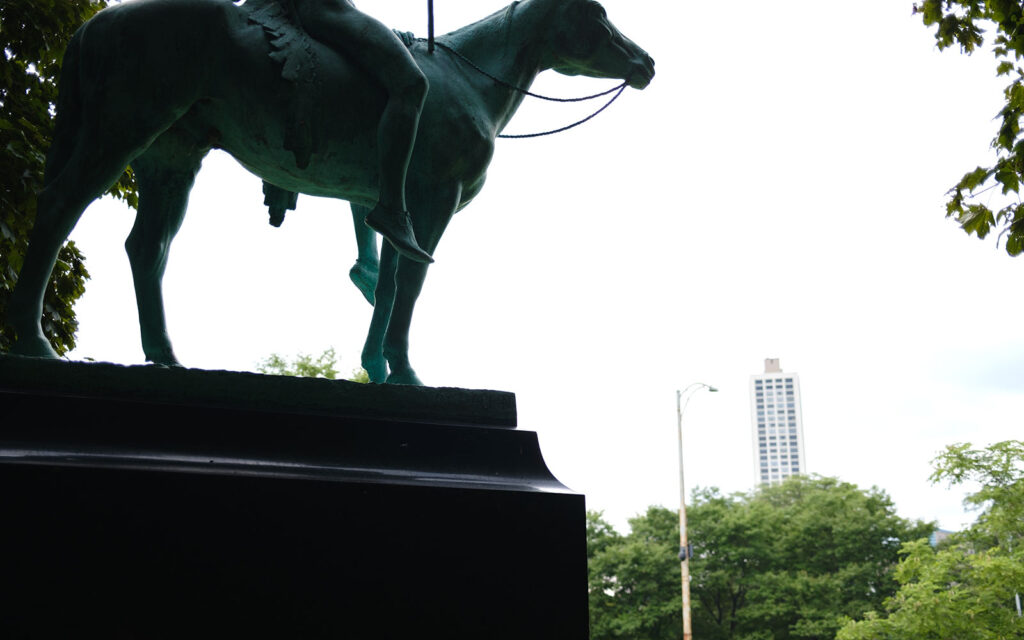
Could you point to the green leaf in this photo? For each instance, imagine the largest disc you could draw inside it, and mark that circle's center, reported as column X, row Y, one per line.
column 1015, row 244
column 977, row 219
column 975, row 178
column 1008, row 178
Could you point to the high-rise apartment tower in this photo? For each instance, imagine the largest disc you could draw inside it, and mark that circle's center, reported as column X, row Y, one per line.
column 777, row 424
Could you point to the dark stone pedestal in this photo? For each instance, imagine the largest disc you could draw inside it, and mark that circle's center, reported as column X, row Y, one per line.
column 130, row 510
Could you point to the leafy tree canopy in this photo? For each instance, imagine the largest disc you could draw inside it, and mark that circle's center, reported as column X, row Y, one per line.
column 999, row 469
column 634, row 579
column 780, row 562
column 306, row 366
column 963, row 23
column 970, row 588
column 33, row 36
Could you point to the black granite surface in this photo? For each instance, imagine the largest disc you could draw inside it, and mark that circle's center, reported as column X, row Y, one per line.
column 132, row 512
column 254, row 391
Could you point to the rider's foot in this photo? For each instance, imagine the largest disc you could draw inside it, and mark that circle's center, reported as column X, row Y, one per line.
column 396, row 227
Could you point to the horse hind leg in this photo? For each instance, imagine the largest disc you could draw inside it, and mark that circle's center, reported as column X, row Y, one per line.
column 98, row 134
column 165, row 174
column 58, row 208
column 85, row 173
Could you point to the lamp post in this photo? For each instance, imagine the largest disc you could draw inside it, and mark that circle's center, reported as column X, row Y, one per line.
column 684, row 547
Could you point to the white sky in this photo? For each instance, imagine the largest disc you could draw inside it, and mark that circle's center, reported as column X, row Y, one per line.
column 778, row 191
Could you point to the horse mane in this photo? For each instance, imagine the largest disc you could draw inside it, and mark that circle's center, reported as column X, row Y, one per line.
column 498, row 22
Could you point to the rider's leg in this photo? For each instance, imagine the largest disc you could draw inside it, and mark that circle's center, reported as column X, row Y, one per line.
column 379, row 52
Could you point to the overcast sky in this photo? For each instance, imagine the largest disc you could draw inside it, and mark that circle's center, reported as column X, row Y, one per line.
column 778, row 191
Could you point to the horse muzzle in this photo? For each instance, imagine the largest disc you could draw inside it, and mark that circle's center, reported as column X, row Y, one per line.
column 643, row 72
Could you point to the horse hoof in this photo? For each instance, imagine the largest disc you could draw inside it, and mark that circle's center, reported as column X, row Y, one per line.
column 163, row 357
column 34, row 347
column 377, row 370
column 364, row 276
column 408, row 377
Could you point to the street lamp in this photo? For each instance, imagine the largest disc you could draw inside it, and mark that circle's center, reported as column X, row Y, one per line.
column 684, row 547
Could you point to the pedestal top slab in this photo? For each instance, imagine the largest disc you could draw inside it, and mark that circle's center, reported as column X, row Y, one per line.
column 101, row 415
column 260, row 392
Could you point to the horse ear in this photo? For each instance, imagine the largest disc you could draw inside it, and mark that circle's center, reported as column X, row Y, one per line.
column 597, row 8
column 576, row 42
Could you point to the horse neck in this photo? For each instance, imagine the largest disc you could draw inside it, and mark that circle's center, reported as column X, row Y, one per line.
column 509, row 45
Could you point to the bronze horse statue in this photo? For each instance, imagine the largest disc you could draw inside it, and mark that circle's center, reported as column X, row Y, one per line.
column 156, row 84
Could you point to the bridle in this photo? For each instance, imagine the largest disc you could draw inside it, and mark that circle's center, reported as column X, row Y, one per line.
column 616, row 90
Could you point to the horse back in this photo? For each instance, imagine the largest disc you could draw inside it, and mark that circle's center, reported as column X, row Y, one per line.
column 206, row 69
column 142, row 66
column 170, row 47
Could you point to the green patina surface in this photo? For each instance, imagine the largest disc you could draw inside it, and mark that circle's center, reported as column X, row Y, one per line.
column 156, row 84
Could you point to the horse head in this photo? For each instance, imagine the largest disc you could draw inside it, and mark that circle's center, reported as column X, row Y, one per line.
column 584, row 42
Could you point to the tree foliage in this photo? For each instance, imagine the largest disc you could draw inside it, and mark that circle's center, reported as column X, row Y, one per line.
column 635, row 579
column 307, row 366
column 1000, row 471
column 790, row 561
column 963, row 23
column 33, row 36
column 969, row 588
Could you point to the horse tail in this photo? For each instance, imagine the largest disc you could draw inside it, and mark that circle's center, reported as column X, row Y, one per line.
column 69, row 110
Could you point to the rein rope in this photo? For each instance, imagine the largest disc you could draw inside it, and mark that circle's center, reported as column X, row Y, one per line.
column 616, row 90
column 521, row 136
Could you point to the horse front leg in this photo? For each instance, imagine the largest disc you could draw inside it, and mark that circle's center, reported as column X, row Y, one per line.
column 384, row 294
column 430, row 218
column 408, row 284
